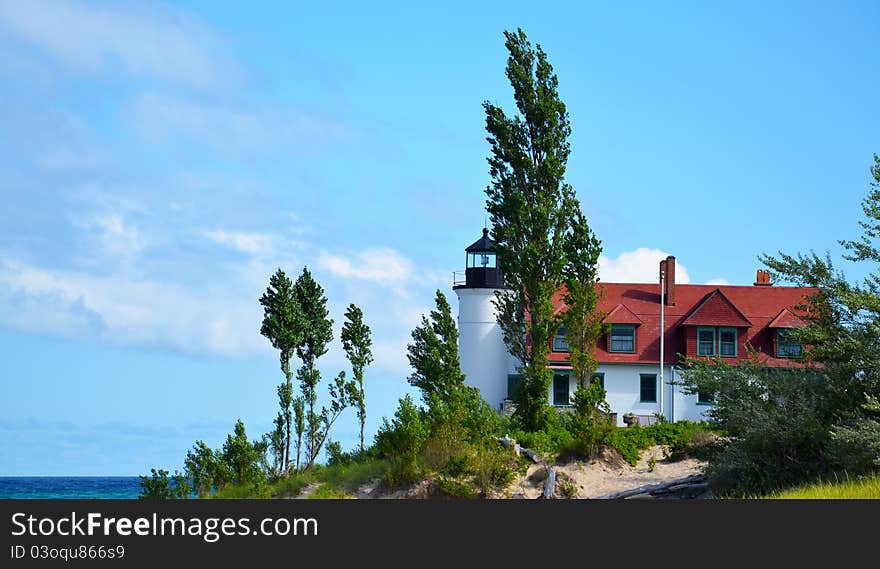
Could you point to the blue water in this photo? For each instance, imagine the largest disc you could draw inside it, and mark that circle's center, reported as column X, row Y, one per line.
column 69, row 487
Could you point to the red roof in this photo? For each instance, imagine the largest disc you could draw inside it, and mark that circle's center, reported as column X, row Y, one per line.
column 786, row 319
column 751, row 309
column 620, row 314
column 716, row 310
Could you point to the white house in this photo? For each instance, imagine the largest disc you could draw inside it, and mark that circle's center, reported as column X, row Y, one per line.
column 637, row 364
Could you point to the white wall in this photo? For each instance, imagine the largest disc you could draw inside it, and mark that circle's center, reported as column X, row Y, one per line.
column 483, row 354
column 486, row 364
column 623, row 390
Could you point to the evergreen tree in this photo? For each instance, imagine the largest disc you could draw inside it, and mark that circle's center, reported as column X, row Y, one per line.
column 433, row 354
column 535, row 218
column 357, row 342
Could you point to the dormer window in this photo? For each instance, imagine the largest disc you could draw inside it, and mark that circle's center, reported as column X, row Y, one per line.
column 716, row 341
column 786, row 347
column 622, row 338
column 705, row 341
column 727, row 342
column 560, row 344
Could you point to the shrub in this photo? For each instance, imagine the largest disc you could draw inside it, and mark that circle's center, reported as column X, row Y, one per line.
column 567, row 488
column 159, row 486
column 454, row 488
column 335, row 454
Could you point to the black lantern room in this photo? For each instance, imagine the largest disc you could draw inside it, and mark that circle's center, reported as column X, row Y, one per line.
column 481, row 265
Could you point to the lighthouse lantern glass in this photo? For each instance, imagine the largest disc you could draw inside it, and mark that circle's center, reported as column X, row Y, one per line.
column 481, row 260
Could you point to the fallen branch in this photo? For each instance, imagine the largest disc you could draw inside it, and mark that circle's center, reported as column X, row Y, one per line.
column 549, row 483
column 655, row 488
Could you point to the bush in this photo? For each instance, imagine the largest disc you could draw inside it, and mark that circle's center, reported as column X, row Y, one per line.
column 454, row 488
column 160, row 487
column 778, row 424
column 400, row 443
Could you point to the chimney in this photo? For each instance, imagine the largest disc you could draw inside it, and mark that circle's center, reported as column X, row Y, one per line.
column 763, row 278
column 670, row 280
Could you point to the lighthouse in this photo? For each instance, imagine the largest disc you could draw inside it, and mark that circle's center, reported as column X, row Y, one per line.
column 484, row 358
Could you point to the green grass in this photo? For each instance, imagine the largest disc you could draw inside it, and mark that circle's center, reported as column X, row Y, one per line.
column 347, row 477
column 337, row 481
column 848, row 489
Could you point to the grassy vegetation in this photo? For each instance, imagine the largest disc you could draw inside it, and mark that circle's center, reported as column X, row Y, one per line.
column 683, row 438
column 848, row 489
column 334, row 481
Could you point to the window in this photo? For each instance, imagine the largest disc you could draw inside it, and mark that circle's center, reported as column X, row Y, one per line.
column 727, row 342
column 483, row 259
column 622, row 338
column 560, row 390
column 598, row 377
column 705, row 341
column 513, row 383
column 704, row 398
column 648, row 388
column 559, row 342
column 786, row 347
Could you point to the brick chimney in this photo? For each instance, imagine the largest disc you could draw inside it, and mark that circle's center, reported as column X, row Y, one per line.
column 670, row 280
column 763, row 278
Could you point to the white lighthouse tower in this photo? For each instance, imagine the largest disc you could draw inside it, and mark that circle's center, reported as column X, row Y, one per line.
column 484, row 357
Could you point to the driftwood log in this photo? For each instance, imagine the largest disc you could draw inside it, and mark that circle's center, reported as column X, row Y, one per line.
column 697, row 480
column 549, row 483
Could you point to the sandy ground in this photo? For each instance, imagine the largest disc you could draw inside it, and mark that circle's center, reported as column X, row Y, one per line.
column 608, row 473
column 604, row 475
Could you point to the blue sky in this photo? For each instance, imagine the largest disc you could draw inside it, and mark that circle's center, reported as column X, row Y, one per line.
column 160, row 161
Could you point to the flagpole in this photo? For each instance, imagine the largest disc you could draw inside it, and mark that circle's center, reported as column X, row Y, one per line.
column 662, row 331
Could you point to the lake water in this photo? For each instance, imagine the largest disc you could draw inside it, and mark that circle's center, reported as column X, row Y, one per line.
column 69, row 487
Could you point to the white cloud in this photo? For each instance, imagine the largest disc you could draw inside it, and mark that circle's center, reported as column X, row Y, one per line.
column 639, row 266
column 719, row 282
column 379, row 265
column 115, row 237
column 127, row 311
column 252, row 243
column 141, row 39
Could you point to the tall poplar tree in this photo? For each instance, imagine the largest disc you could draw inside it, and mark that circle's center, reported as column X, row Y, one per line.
column 357, row 343
column 283, row 324
column 535, row 218
column 317, row 334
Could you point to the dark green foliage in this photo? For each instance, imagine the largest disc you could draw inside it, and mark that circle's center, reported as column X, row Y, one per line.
column 590, row 423
column 454, row 488
column 400, row 442
column 335, row 454
column 582, row 321
column 540, row 235
column 239, row 463
column 433, row 353
column 284, row 326
column 206, row 468
column 630, row 441
column 159, row 486
column 356, row 341
column 317, row 333
column 778, row 422
column 244, row 458
column 856, row 446
column 818, row 419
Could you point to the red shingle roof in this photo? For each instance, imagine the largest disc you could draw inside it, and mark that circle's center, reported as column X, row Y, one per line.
column 786, row 319
column 716, row 310
column 620, row 314
column 757, row 306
